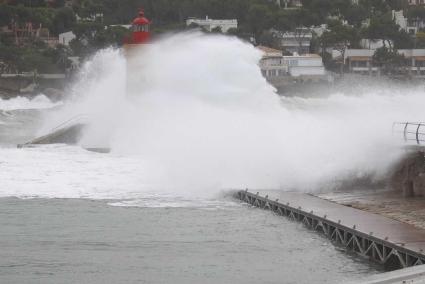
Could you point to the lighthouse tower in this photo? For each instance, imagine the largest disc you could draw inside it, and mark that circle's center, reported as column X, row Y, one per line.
column 140, row 30
column 133, row 50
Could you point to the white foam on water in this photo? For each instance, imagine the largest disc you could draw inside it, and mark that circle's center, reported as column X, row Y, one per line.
column 203, row 120
column 24, row 103
column 173, row 201
column 60, row 171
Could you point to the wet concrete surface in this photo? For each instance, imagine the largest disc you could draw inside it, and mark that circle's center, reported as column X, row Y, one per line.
column 390, row 204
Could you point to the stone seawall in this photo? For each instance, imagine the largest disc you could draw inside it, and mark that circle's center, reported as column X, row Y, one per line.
column 409, row 174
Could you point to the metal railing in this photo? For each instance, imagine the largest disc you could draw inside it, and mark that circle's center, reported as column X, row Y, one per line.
column 411, row 131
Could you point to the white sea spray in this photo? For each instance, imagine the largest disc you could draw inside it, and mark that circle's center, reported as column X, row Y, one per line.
column 204, row 119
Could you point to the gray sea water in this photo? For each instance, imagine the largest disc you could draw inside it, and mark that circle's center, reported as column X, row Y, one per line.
column 83, row 241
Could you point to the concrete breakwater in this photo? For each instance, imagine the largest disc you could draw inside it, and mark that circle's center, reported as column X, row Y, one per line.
column 388, row 242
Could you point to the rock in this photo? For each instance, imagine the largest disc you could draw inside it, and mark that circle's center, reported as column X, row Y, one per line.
column 54, row 94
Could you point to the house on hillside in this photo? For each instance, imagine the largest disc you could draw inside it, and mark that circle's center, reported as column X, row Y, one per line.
column 410, row 26
column 416, row 2
column 25, row 33
column 211, row 24
column 94, row 17
column 360, row 61
column 289, row 3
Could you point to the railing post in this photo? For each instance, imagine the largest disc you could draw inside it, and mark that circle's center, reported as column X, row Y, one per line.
column 417, row 134
column 404, row 132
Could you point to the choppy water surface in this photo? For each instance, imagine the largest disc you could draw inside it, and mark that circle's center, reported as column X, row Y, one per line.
column 82, row 241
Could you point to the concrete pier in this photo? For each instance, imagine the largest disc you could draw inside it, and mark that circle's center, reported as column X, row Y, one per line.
column 411, row 275
column 66, row 135
column 388, row 242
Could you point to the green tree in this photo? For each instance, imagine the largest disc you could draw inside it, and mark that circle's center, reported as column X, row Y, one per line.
column 416, row 12
column 383, row 28
column 259, row 18
column 403, row 40
column 375, row 8
column 389, row 61
column 340, row 37
column 63, row 21
column 355, row 15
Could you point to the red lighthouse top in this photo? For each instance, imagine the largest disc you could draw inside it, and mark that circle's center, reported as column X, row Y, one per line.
column 141, row 20
column 140, row 30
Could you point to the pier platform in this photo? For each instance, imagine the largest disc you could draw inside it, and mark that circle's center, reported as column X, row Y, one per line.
column 386, row 241
column 410, row 275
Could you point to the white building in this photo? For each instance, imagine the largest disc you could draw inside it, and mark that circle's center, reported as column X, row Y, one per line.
column 282, row 70
column 210, row 24
column 372, row 43
column 272, row 64
column 294, row 42
column 410, row 26
column 289, row 3
column 310, row 65
column 399, row 19
column 65, row 38
column 416, row 2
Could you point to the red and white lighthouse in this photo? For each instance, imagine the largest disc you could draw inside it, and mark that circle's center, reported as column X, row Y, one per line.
column 134, row 47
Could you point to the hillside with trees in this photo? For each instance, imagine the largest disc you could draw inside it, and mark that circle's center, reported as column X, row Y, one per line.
column 94, row 22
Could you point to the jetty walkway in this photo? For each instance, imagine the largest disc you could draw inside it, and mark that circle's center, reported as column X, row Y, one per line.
column 386, row 241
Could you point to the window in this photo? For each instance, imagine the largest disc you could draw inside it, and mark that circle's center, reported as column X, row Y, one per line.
column 141, row 28
column 359, row 63
column 292, row 62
